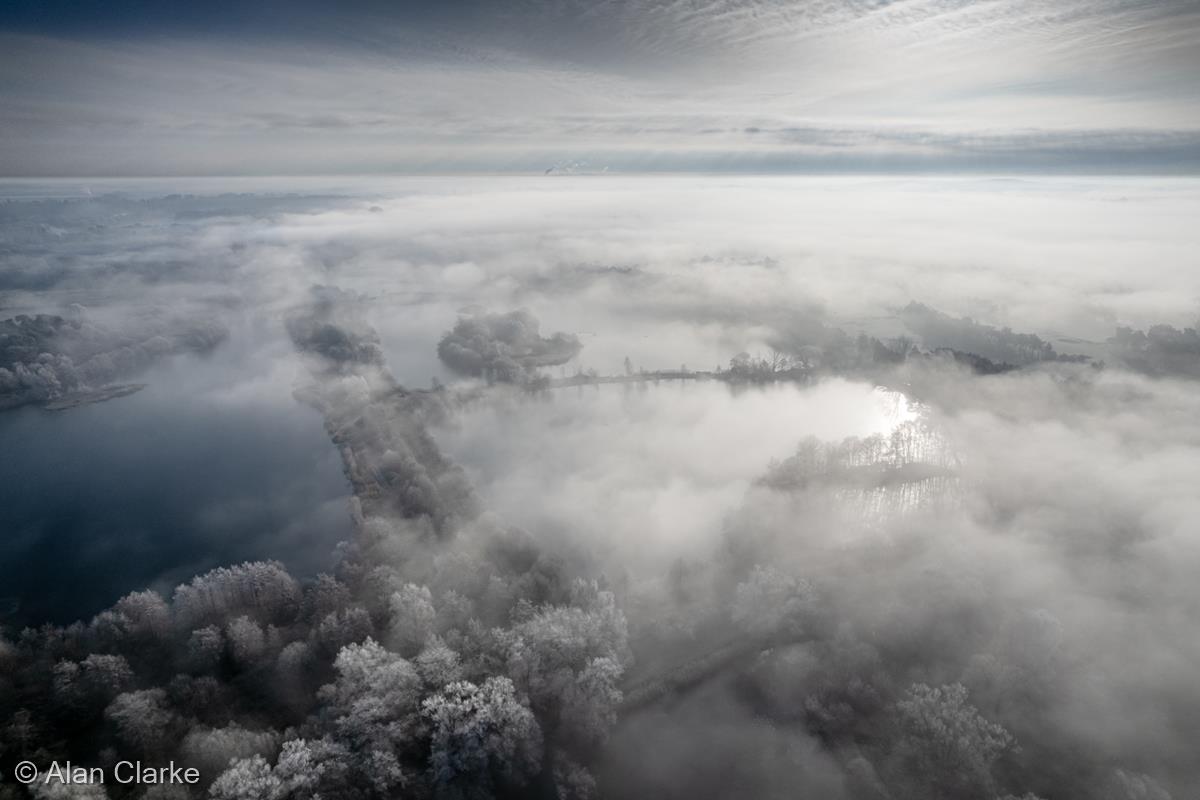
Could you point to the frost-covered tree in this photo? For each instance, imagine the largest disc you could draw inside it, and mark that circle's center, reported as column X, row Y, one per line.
column 569, row 660
column 247, row 779
column 1125, row 785
column 67, row 688
column 503, row 347
column 326, row 595
column 143, row 719
column 247, row 641
column 834, row 687
column 262, row 590
column 211, row 749
column 438, row 664
column 590, row 703
column 572, row 780
column 56, row 790
column 312, row 769
column 770, row 601
column 137, row 620
column 947, row 747
column 306, row 770
column 483, row 737
column 293, row 663
column 374, row 707
column 94, row 681
column 454, row 610
column 373, row 685
column 201, row 697
column 342, row 627
column 106, row 674
column 412, row 619
column 169, row 791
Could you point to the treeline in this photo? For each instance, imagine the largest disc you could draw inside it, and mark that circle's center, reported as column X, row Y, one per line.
column 47, row 357
column 1160, row 351
column 273, row 689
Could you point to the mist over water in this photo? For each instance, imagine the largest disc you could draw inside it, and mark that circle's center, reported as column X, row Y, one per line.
column 649, row 467
column 782, row 477
column 576, row 400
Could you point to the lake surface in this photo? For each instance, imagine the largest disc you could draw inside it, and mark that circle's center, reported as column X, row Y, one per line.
column 213, row 463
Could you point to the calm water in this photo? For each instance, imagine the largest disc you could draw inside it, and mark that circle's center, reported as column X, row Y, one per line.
column 213, row 463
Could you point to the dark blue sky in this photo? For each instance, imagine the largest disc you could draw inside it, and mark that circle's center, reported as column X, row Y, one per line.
column 142, row 17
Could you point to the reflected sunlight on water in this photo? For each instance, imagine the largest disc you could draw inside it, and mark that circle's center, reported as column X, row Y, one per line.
column 660, row 464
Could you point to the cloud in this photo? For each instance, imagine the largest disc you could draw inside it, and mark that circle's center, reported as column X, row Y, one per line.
column 811, row 632
column 1090, row 85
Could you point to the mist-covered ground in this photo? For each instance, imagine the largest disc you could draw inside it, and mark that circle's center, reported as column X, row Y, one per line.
column 599, row 486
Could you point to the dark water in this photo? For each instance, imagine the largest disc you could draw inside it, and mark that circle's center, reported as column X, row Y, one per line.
column 213, row 463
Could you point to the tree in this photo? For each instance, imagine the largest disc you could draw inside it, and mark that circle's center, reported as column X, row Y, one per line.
column 200, row 697
column 247, row 779
column 572, row 780
column 205, row 647
column 94, row 682
column 569, row 660
column 106, row 675
column 503, row 347
column 590, row 702
column 948, row 748
column 20, row 734
column 306, row 770
column 454, row 610
column 67, row 688
column 373, row 686
column 262, row 590
column 771, row 602
column 211, row 750
column 56, row 790
column 483, row 737
column 247, row 641
column 143, row 719
column 312, row 768
column 1124, row 785
column 412, row 618
column 438, row 664
column 374, row 706
column 340, row 628
column 138, row 619
column 325, row 595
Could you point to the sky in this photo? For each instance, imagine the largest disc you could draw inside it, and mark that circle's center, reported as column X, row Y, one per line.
column 140, row 88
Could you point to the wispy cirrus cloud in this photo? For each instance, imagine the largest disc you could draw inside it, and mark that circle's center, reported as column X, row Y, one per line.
column 746, row 84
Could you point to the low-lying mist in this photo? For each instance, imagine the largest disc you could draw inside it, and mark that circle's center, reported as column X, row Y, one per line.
column 604, row 487
column 647, row 467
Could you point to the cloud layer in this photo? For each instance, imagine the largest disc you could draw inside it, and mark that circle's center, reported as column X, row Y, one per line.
column 745, row 85
column 736, row 552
